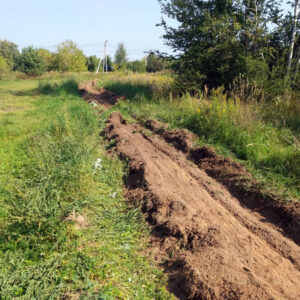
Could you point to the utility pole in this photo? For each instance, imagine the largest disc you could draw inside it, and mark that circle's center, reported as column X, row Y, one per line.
column 104, row 59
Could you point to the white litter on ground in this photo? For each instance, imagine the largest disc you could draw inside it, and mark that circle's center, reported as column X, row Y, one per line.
column 94, row 104
column 98, row 164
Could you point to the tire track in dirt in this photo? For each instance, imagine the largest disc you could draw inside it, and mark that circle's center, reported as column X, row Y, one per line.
column 217, row 239
column 216, row 248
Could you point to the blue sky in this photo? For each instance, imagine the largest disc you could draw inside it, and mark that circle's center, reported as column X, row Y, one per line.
column 89, row 23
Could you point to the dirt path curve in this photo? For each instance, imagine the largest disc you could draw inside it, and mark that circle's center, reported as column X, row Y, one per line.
column 214, row 245
column 90, row 93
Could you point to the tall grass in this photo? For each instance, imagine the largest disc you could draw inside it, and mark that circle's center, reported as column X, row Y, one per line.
column 52, row 181
column 42, row 254
column 246, row 131
column 59, row 88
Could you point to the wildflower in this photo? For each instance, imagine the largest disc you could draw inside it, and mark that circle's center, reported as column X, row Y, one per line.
column 199, row 110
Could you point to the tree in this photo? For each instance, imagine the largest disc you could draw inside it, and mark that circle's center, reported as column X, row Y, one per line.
column 294, row 31
column 48, row 58
column 30, row 62
column 215, row 40
column 102, row 67
column 9, row 51
column 69, row 58
column 154, row 63
column 207, row 41
column 137, row 66
column 121, row 56
column 92, row 63
column 3, row 65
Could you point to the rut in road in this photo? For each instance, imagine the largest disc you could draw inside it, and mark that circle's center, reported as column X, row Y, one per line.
column 216, row 248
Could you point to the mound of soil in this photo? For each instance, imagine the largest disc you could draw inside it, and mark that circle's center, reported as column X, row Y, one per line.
column 90, row 93
column 217, row 245
column 237, row 180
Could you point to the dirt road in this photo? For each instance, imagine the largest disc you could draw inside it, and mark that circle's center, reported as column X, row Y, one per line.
column 215, row 242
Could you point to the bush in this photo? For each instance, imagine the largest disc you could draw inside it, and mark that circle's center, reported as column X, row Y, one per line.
column 137, row 66
column 92, row 63
column 70, row 58
column 3, row 65
column 48, row 58
column 30, row 62
column 10, row 52
column 154, row 63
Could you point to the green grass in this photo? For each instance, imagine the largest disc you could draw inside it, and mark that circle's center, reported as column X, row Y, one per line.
column 49, row 143
column 270, row 150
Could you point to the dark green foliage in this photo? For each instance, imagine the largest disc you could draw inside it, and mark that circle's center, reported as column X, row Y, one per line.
column 137, row 66
column 110, row 67
column 219, row 41
column 92, row 63
column 30, row 62
column 154, row 63
column 9, row 51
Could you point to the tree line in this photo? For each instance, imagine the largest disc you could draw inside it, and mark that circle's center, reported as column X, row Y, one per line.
column 69, row 58
column 254, row 43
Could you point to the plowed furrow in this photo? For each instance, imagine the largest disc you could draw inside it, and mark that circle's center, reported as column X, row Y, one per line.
column 215, row 247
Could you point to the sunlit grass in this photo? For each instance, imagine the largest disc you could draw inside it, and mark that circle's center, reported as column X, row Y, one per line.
column 246, row 131
column 47, row 154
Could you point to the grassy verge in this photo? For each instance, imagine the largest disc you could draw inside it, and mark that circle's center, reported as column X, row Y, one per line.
column 66, row 232
column 250, row 133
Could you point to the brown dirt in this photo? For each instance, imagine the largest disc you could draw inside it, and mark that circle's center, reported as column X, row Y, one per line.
column 90, row 93
column 81, row 222
column 236, row 179
column 219, row 239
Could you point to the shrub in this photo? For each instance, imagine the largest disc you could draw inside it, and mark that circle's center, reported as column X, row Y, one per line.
column 10, row 52
column 137, row 66
column 3, row 65
column 30, row 62
column 154, row 63
column 70, row 58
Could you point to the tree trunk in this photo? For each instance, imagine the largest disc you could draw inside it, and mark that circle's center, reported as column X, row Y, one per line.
column 293, row 39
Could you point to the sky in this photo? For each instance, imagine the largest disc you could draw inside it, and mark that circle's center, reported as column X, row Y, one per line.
column 46, row 23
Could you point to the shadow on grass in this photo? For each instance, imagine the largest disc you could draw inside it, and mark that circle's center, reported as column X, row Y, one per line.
column 67, row 87
column 130, row 90
column 26, row 93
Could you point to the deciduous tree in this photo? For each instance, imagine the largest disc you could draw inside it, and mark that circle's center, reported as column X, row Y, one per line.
column 9, row 51
column 121, row 56
column 70, row 58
